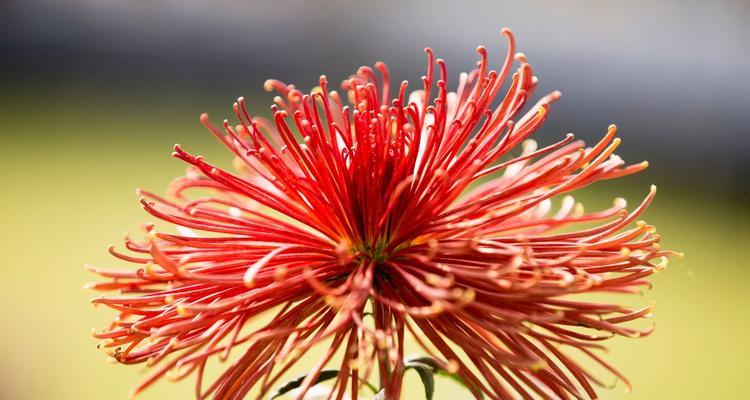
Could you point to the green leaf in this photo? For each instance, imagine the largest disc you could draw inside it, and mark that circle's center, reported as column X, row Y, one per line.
column 324, row 375
column 370, row 386
column 442, row 372
column 426, row 373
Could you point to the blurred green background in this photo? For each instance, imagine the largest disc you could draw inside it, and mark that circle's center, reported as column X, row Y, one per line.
column 95, row 94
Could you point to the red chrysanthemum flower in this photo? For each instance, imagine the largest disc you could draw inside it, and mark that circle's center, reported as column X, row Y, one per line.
column 358, row 222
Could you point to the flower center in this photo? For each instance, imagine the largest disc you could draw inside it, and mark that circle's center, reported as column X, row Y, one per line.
column 373, row 252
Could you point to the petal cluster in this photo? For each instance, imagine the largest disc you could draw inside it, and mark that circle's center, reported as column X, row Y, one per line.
column 363, row 221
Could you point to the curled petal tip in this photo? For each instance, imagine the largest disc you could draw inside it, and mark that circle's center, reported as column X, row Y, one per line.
column 268, row 85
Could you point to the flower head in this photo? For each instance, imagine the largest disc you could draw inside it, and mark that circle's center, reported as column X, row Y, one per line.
column 353, row 222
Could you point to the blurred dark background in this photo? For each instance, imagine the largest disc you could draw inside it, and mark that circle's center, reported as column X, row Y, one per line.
column 674, row 75
column 95, row 93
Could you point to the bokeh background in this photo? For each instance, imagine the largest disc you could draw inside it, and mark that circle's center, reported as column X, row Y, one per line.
column 95, row 92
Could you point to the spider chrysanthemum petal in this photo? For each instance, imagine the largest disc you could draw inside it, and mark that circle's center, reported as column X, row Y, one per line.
column 433, row 214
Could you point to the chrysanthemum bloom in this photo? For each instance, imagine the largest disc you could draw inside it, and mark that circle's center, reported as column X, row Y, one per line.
column 353, row 222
